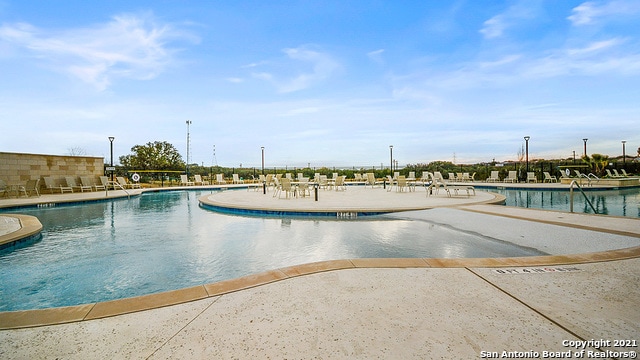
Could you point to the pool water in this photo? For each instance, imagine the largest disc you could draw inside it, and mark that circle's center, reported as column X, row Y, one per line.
column 164, row 241
column 625, row 202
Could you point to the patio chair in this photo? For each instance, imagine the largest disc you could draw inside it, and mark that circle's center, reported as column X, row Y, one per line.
column 391, row 181
column 513, row 178
column 466, row 177
column 531, row 177
column 125, row 184
column 86, row 180
column 549, row 178
column 617, row 174
column 237, row 180
column 220, row 179
column 3, row 188
column 339, row 185
column 71, row 182
column 32, row 186
column 184, row 180
column 401, row 184
column 452, row 177
column 197, row 179
column 370, row 180
column 284, row 186
column 495, row 176
column 624, row 173
column 303, row 186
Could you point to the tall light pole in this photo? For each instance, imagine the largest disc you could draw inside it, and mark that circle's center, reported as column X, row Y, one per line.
column 391, row 151
column 624, row 155
column 111, row 138
column 585, row 146
column 187, row 166
column 262, row 148
column 526, row 140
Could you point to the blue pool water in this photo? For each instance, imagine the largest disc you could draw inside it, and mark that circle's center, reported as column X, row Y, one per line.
column 623, row 202
column 164, row 241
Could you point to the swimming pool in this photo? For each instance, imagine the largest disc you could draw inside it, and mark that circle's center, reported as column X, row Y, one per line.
column 164, row 241
column 618, row 202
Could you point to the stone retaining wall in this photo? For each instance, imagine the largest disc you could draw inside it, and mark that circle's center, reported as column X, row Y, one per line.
column 17, row 168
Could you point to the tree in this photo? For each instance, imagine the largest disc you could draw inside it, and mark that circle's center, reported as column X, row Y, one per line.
column 157, row 155
column 597, row 163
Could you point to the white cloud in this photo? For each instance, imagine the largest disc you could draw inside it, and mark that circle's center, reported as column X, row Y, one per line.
column 129, row 46
column 590, row 12
column 515, row 14
column 321, row 65
column 376, row 56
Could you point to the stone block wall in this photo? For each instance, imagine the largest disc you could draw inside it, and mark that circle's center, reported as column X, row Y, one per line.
column 17, row 168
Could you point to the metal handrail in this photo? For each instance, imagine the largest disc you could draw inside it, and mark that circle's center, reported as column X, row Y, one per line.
column 573, row 182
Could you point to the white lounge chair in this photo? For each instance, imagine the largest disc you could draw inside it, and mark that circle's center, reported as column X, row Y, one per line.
column 197, row 179
column 220, row 179
column 127, row 185
column 495, row 176
column 549, row 178
column 370, row 180
column 86, row 180
column 624, row 173
column 531, row 177
column 513, row 178
column 184, row 180
column 237, row 180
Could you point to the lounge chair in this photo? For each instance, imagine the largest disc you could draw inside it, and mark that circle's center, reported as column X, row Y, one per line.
column 624, row 173
column 495, row 176
column 452, row 177
column 125, row 184
column 32, row 186
column 609, row 174
column 71, row 181
column 531, row 177
column 220, row 179
column 370, row 180
column 617, row 174
column 86, row 181
column 237, row 180
column 549, row 178
column 184, row 181
column 197, row 179
column 3, row 188
column 466, row 177
column 513, row 178
column 104, row 181
column 438, row 181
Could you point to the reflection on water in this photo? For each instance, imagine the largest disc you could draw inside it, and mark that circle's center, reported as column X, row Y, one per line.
column 611, row 202
column 164, row 241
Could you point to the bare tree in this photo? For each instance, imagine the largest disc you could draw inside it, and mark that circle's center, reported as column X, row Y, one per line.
column 77, row 151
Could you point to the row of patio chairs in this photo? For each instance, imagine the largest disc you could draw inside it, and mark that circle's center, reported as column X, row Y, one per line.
column 199, row 180
column 616, row 174
column 87, row 183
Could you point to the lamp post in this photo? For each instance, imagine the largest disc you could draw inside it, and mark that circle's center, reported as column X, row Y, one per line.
column 187, row 166
column 111, row 138
column 391, row 151
column 262, row 148
column 574, row 156
column 624, row 155
column 585, row 146
column 526, row 140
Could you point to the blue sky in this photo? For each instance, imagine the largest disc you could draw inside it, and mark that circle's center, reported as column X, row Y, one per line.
column 325, row 83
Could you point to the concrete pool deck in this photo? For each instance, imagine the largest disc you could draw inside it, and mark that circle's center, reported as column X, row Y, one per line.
column 375, row 308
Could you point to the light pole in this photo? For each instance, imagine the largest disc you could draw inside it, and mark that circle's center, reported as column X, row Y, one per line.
column 574, row 156
column 526, row 140
column 262, row 147
column 391, row 151
column 624, row 155
column 585, row 146
column 187, row 165
column 111, row 138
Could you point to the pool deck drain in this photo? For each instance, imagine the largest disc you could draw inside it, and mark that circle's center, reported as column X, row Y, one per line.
column 372, row 308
